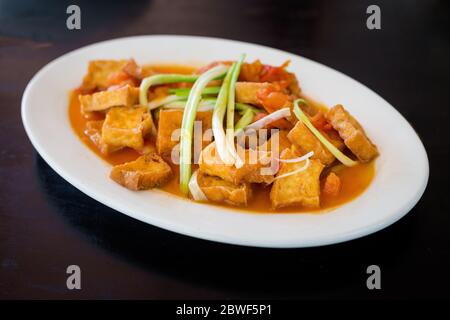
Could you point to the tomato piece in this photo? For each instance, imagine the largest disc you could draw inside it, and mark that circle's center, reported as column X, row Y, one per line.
column 275, row 100
column 272, row 98
column 273, row 74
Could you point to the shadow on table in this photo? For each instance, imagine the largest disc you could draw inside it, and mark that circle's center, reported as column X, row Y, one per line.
column 246, row 271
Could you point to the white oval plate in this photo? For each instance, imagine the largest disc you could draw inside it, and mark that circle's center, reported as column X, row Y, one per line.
column 401, row 170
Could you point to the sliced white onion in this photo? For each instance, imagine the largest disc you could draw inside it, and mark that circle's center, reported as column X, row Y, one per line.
column 156, row 103
column 304, row 167
column 195, row 189
column 274, row 116
column 221, row 141
column 294, row 160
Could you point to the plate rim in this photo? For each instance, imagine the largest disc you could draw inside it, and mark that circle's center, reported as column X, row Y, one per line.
column 333, row 239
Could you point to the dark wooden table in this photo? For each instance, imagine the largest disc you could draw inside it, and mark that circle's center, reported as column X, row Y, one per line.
column 46, row 224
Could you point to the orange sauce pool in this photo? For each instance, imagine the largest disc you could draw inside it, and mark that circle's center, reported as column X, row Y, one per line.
column 354, row 179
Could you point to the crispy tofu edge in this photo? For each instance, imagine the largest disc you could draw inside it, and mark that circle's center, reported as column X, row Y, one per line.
column 132, row 175
column 281, row 198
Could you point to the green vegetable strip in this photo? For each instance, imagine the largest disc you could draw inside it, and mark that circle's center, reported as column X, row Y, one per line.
column 217, row 120
column 242, row 107
column 156, row 103
column 244, row 121
column 187, row 125
column 184, row 92
column 206, row 105
column 161, row 79
column 335, row 151
column 231, row 107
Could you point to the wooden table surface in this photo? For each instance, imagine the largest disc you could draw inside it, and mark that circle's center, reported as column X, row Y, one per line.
column 46, row 224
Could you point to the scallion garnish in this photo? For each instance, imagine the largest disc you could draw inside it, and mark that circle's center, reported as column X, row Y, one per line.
column 217, row 120
column 335, row 151
column 230, row 112
column 162, row 79
column 156, row 103
column 188, row 123
column 245, row 120
column 184, row 92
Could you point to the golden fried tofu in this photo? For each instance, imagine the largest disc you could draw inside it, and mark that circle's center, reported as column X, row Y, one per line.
column 94, row 131
column 302, row 188
column 147, row 171
column 126, row 127
column 277, row 143
column 219, row 190
column 267, row 95
column 168, row 124
column 257, row 72
column 124, row 96
column 100, row 72
column 352, row 133
column 334, row 138
column 247, row 92
column 149, row 147
column 302, row 137
column 255, row 169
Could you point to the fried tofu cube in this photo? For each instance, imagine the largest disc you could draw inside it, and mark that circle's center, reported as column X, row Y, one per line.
column 94, row 131
column 148, row 148
column 302, row 188
column 254, row 170
column 256, row 71
column 100, row 72
column 248, row 92
column 124, row 96
column 278, row 142
column 334, row 138
column 352, row 133
column 256, row 93
column 219, row 190
column 302, row 137
column 147, row 171
column 126, row 127
column 169, row 123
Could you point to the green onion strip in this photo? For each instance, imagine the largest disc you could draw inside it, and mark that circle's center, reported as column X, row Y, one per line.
column 187, row 125
column 335, row 151
column 161, row 79
column 217, row 120
column 230, row 113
